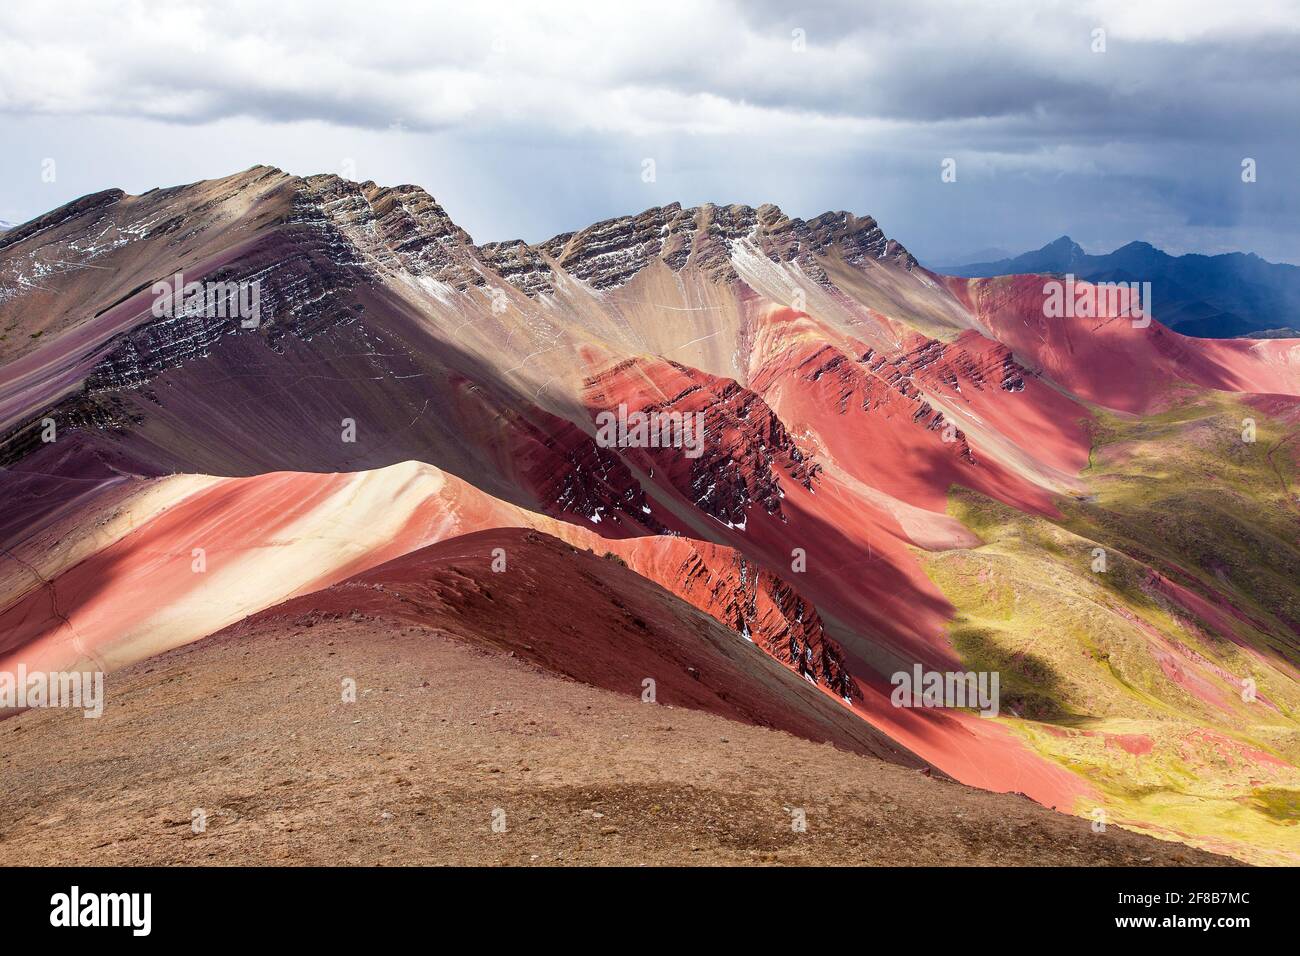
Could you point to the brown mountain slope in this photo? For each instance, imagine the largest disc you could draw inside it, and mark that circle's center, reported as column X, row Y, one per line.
column 851, row 400
column 449, row 732
column 590, row 619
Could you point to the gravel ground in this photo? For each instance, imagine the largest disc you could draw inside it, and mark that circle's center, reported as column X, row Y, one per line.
column 453, row 754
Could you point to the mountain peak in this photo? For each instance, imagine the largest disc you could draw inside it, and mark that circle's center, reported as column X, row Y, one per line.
column 1064, row 247
column 608, row 253
column 1136, row 245
column 403, row 228
column 1210, row 296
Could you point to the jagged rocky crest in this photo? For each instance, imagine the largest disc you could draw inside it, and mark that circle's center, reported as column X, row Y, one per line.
column 608, row 254
column 404, row 228
column 313, row 241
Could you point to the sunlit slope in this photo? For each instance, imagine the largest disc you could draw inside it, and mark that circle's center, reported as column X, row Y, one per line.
column 406, row 385
column 1168, row 679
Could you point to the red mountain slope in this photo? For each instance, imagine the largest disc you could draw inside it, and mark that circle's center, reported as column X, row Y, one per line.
column 896, row 468
column 587, row 618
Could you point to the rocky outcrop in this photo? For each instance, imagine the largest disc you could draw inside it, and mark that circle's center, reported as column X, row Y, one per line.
column 401, row 230
column 521, row 265
column 753, row 602
column 744, row 449
column 574, row 478
column 610, row 253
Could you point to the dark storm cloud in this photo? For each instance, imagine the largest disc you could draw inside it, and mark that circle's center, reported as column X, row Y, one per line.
column 843, row 103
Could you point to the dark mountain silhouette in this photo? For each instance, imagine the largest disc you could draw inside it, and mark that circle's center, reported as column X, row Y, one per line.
column 1224, row 296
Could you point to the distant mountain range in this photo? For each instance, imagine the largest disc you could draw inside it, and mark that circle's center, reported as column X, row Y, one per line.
column 5, row 225
column 1224, row 296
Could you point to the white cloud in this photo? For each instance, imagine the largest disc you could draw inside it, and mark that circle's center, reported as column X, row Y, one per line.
column 630, row 68
column 560, row 100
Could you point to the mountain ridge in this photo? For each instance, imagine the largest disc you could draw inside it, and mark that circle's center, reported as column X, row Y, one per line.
column 1209, row 296
column 860, row 417
column 605, row 253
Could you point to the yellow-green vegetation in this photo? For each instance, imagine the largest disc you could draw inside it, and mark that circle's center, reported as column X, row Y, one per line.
column 1182, row 491
column 1280, row 803
column 1148, row 637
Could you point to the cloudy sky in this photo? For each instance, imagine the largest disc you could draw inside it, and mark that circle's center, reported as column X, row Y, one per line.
column 1109, row 120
